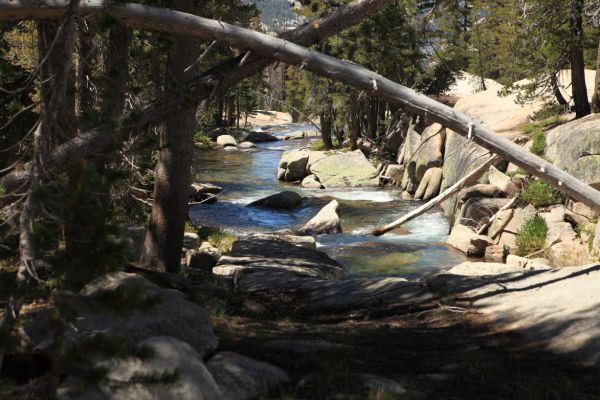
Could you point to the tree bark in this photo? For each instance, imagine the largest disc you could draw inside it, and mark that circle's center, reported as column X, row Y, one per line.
column 164, row 235
column 596, row 97
column 580, row 97
column 116, row 72
column 556, row 90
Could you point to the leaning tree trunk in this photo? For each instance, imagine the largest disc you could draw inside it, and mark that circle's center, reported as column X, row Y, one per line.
column 596, row 97
column 582, row 105
column 164, row 236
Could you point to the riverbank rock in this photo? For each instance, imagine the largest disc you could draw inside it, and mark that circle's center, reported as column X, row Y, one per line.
column 350, row 169
column 313, row 158
column 246, row 145
column 430, row 184
column 253, row 255
column 478, row 190
column 326, row 221
column 292, row 166
column 575, row 148
column 205, row 258
column 501, row 181
column 479, row 209
column 241, row 378
column 172, row 315
column 483, row 269
column 286, row 200
column 311, row 182
column 464, row 239
column 496, row 253
column 226, row 141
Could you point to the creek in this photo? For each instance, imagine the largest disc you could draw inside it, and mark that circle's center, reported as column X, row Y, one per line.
column 246, row 176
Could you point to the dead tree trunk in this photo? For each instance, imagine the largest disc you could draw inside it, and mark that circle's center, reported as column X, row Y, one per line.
column 164, row 236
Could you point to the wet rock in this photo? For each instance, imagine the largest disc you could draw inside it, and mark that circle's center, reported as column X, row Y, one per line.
column 259, row 137
column 464, row 239
column 326, row 221
column 286, row 200
column 304, row 346
column 170, row 357
column 252, row 255
column 191, row 241
column 226, row 141
column 393, row 173
column 406, row 196
column 350, row 169
column 496, row 253
column 204, row 192
column 246, row 145
column 311, row 182
column 172, row 315
column 292, row 166
column 307, row 242
column 231, row 148
column 241, row 378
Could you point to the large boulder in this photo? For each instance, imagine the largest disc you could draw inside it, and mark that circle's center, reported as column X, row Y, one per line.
column 259, row 137
column 241, row 378
column 172, row 315
column 575, row 148
column 431, row 151
column 226, row 141
column 326, row 221
column 292, row 166
column 286, row 200
column 346, row 170
column 479, row 209
column 408, row 151
column 170, row 357
column 464, row 239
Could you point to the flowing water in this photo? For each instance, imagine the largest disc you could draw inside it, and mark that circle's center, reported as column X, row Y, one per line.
column 250, row 175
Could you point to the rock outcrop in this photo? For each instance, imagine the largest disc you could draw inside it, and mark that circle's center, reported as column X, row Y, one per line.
column 292, row 166
column 346, row 170
column 226, row 141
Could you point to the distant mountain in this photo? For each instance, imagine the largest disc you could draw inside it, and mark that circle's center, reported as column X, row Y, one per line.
column 278, row 15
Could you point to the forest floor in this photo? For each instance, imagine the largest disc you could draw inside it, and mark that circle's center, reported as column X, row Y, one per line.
column 433, row 351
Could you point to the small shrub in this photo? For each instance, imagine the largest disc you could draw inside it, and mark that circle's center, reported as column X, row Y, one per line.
column 317, row 145
column 202, row 140
column 540, row 194
column 549, row 110
column 216, row 237
column 532, row 236
column 538, row 146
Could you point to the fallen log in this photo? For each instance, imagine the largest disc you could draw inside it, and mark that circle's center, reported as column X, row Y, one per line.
column 489, row 221
column 466, row 181
column 164, row 20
